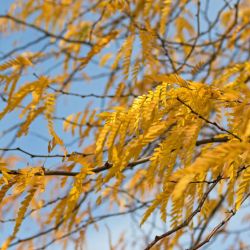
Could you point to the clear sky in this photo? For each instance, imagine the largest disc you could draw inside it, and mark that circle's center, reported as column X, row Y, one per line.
column 98, row 239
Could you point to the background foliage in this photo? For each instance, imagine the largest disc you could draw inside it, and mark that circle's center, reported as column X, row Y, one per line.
column 137, row 109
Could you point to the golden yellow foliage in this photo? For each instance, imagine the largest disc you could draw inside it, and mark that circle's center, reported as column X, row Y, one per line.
column 165, row 138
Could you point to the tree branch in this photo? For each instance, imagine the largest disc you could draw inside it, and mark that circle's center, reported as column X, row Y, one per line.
column 186, row 221
column 208, row 121
column 45, row 32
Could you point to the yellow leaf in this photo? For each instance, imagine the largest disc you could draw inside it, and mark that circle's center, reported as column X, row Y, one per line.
column 103, row 61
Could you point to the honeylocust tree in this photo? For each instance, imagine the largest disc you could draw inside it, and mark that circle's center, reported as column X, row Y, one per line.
column 125, row 124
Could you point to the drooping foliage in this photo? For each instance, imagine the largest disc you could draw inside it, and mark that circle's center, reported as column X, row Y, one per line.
column 164, row 141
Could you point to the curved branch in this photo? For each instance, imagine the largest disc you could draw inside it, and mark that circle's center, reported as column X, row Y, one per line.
column 45, row 32
column 186, row 221
column 218, row 227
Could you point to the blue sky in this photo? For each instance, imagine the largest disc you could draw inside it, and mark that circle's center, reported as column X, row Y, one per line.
column 98, row 239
